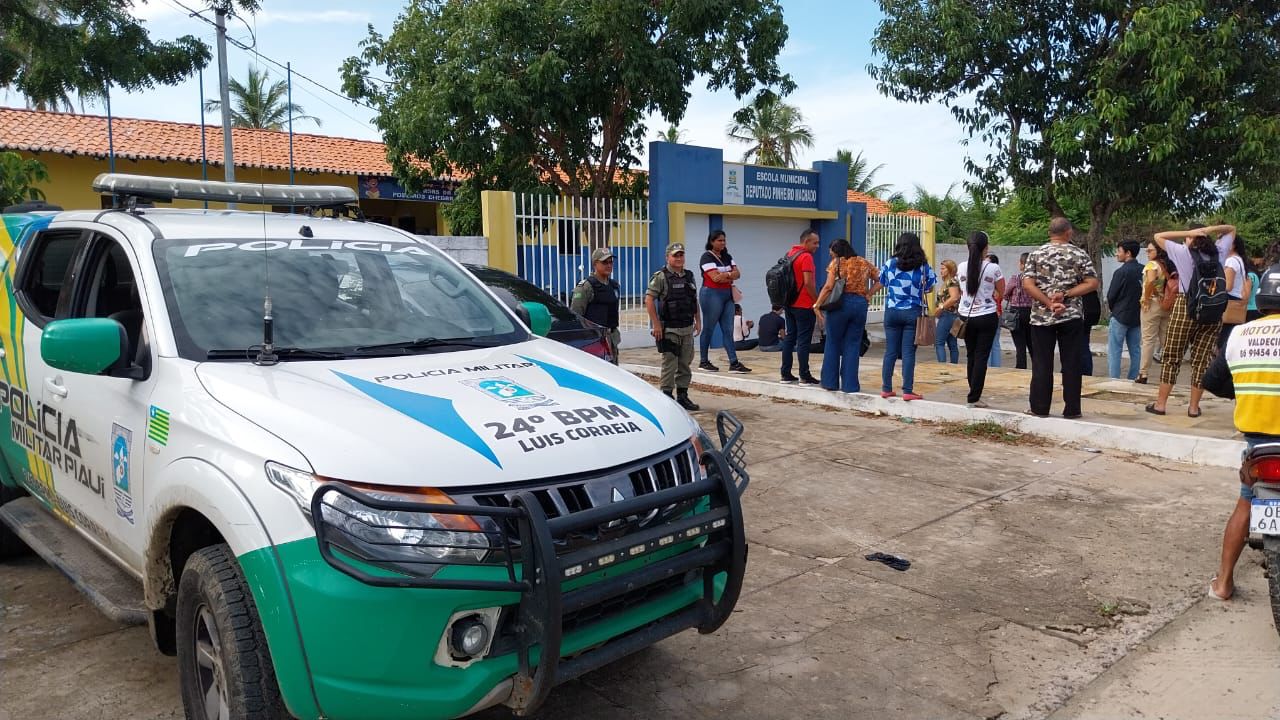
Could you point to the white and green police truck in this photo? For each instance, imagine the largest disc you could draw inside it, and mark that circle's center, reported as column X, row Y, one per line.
column 333, row 473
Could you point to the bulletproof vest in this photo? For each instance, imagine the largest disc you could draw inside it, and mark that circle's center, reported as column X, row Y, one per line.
column 680, row 305
column 603, row 308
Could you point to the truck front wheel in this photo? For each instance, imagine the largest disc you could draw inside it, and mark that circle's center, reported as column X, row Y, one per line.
column 224, row 666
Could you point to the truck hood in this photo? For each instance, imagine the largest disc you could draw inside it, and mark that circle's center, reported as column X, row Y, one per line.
column 494, row 415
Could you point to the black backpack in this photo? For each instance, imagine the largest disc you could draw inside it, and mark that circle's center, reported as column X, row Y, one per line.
column 1207, row 295
column 780, row 281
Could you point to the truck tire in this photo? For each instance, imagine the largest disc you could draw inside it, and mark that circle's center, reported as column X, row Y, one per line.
column 224, row 665
column 10, row 544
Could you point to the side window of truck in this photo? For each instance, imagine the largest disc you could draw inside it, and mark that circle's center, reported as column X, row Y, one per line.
column 107, row 288
column 45, row 276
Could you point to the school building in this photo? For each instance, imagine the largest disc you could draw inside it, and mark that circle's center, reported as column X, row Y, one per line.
column 76, row 148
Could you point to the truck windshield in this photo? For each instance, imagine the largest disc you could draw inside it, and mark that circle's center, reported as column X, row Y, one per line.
column 364, row 297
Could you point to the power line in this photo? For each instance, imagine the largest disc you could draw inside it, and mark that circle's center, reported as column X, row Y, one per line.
column 252, row 49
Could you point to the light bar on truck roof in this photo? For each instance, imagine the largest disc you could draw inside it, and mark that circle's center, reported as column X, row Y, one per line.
column 165, row 189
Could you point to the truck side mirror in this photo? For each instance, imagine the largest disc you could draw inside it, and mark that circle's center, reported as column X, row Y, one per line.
column 84, row 345
column 536, row 316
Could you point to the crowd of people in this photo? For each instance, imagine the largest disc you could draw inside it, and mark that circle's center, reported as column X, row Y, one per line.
column 1048, row 308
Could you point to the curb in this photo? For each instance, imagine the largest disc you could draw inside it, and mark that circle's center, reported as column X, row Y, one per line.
column 1212, row 452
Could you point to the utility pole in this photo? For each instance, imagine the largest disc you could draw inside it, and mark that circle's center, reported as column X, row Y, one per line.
column 228, row 160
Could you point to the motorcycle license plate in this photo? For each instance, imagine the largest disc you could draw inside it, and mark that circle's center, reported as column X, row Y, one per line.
column 1264, row 516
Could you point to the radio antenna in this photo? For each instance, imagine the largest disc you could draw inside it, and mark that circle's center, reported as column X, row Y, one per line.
column 267, row 351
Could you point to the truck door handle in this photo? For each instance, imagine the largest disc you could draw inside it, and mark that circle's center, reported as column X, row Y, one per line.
column 55, row 387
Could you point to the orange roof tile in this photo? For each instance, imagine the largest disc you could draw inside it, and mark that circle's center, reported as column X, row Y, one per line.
column 874, row 205
column 137, row 139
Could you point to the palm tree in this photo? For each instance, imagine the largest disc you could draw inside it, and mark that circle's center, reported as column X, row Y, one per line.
column 861, row 174
column 260, row 103
column 774, row 130
column 672, row 134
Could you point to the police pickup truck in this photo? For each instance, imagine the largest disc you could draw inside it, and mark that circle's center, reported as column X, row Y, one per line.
column 331, row 471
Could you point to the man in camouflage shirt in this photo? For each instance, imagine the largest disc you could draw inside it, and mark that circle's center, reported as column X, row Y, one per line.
column 672, row 303
column 1057, row 275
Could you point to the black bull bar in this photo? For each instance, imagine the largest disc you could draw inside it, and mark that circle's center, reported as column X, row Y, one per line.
column 716, row 534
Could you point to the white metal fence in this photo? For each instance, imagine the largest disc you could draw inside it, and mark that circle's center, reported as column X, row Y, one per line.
column 556, row 234
column 882, row 234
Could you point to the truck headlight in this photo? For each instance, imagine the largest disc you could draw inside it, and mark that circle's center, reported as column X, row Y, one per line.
column 391, row 534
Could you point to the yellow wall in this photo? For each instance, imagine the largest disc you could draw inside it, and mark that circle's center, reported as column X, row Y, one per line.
column 70, row 178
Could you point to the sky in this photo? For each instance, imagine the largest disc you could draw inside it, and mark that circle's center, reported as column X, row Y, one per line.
column 827, row 54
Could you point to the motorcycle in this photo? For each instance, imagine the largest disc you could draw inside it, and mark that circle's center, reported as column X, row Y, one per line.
column 1261, row 471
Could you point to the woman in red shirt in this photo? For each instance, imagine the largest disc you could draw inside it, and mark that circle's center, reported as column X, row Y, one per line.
column 716, row 300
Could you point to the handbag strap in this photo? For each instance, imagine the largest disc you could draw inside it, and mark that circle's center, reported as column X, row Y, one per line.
column 973, row 300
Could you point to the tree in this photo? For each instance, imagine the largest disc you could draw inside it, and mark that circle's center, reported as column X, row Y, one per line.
column 18, row 178
column 672, row 134
column 53, row 49
column 861, row 175
column 259, row 103
column 774, row 129
column 1256, row 212
column 514, row 94
column 1140, row 104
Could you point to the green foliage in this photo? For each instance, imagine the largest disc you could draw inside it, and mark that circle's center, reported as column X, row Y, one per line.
column 51, row 50
column 18, row 178
column 259, row 103
column 672, row 134
column 1119, row 103
column 517, row 93
column 1256, row 214
column 862, row 177
column 774, row 130
column 464, row 214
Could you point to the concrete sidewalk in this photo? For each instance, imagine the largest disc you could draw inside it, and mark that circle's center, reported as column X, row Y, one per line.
column 1114, row 410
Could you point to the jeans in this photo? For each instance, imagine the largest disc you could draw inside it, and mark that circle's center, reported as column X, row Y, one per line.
column 1069, row 337
column 1119, row 335
column 995, row 355
column 900, row 342
column 717, row 312
column 844, row 337
column 800, row 322
column 979, row 334
column 946, row 342
column 1021, row 336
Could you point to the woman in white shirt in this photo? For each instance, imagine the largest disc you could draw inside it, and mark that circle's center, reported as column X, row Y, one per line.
column 980, row 282
column 1238, row 286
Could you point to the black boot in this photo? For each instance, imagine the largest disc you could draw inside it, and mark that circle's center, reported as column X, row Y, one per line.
column 682, row 398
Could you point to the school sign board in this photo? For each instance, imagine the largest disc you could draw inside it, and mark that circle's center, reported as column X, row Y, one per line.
column 768, row 186
column 373, row 187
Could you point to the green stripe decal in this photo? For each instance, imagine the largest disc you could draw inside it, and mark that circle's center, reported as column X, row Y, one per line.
column 158, row 425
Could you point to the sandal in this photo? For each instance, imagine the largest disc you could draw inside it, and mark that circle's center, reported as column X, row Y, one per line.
column 1193, row 414
column 1151, row 408
column 1216, row 596
column 1141, row 380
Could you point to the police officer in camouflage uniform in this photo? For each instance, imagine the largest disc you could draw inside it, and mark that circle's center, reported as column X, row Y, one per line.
column 597, row 297
column 676, row 325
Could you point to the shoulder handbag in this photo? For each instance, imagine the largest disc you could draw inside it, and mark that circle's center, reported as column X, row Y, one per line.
column 1009, row 319
column 1236, row 312
column 926, row 325
column 837, row 292
column 926, row 328
column 1170, row 295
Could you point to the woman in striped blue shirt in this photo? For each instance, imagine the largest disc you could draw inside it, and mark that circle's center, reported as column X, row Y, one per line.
column 907, row 278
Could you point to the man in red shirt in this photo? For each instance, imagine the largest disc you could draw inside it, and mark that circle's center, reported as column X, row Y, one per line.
column 800, row 315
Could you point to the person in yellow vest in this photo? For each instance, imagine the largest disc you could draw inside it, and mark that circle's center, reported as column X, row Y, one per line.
column 1248, row 368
